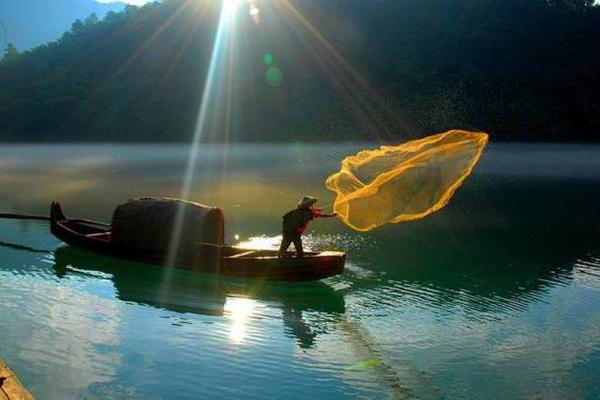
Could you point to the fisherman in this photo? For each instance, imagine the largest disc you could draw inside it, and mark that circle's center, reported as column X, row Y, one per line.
column 296, row 221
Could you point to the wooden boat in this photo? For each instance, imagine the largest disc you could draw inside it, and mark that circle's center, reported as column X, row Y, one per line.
column 10, row 386
column 225, row 260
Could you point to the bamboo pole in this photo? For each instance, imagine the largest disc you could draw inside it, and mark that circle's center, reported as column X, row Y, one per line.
column 4, row 215
column 23, row 216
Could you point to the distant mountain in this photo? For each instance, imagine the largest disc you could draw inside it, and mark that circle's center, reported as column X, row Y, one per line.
column 30, row 23
column 313, row 71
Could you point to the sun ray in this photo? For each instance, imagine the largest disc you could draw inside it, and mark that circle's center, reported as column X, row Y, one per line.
column 126, row 63
column 219, row 56
column 144, row 46
column 185, row 43
column 362, row 94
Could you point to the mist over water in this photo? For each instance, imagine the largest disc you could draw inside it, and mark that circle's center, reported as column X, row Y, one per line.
column 502, row 286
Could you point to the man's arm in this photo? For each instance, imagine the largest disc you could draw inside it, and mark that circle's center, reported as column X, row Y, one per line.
column 318, row 213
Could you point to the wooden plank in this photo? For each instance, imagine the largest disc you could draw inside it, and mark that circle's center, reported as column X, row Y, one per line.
column 92, row 235
column 10, row 386
column 244, row 254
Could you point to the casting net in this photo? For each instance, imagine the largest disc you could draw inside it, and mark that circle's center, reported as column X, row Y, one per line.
column 400, row 183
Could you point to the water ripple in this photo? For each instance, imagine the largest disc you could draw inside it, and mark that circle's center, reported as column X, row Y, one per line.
column 587, row 272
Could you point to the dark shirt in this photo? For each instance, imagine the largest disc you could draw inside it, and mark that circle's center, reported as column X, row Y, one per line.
column 296, row 221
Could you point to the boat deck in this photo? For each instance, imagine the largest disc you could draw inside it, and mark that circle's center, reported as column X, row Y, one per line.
column 10, row 386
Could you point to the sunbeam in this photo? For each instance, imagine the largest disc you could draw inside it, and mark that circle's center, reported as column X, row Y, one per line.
column 217, row 100
column 126, row 64
column 362, row 95
column 218, row 72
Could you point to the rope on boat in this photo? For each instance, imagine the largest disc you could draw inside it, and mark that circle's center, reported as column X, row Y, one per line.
column 24, row 216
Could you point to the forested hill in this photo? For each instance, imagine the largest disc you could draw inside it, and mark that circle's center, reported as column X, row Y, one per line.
column 30, row 23
column 314, row 70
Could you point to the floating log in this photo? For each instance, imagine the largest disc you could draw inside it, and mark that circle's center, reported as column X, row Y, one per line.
column 10, row 386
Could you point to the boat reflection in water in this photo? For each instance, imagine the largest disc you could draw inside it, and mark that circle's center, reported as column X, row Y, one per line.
column 192, row 292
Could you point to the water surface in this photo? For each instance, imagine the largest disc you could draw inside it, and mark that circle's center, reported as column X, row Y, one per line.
column 496, row 296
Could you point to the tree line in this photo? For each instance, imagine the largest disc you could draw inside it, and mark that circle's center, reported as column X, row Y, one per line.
column 313, row 71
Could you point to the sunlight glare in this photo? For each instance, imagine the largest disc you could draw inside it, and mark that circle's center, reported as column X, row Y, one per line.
column 238, row 310
column 212, row 88
column 229, row 9
column 261, row 242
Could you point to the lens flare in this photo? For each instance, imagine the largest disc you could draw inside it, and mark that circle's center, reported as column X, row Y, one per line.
column 254, row 11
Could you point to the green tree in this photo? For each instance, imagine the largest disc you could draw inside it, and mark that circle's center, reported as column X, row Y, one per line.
column 112, row 17
column 77, row 27
column 519, row 69
column 11, row 52
column 92, row 19
column 578, row 5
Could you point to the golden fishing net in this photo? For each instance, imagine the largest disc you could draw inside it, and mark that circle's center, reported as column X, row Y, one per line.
column 406, row 182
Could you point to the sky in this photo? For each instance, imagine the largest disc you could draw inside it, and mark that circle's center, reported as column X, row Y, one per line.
column 134, row 2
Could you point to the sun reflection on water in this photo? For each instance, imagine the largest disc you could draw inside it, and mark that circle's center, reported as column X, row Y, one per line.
column 262, row 242
column 239, row 310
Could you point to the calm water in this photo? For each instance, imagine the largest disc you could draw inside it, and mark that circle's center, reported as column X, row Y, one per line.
column 496, row 296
